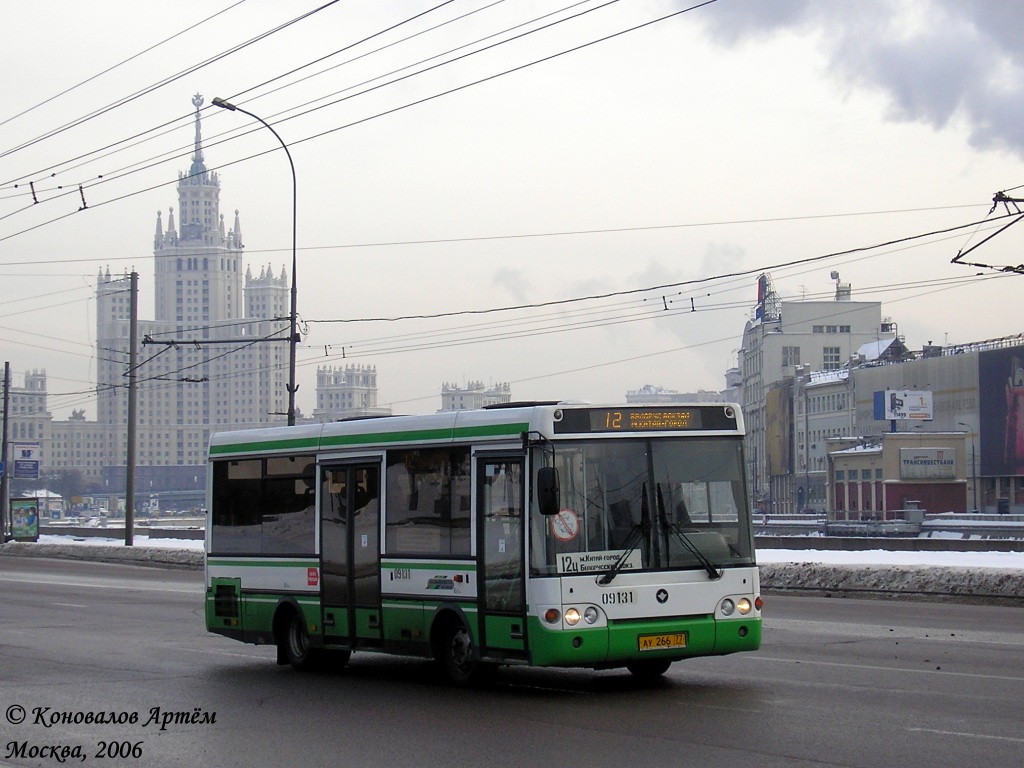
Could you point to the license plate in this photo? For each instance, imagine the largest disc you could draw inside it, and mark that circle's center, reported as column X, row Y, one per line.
column 662, row 642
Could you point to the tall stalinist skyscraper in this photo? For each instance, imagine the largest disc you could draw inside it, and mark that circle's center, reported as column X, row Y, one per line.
column 223, row 372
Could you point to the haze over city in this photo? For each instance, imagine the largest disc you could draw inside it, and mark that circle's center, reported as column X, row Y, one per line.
column 624, row 169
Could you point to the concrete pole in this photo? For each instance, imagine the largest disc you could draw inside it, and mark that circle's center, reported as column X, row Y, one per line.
column 129, row 470
column 5, row 489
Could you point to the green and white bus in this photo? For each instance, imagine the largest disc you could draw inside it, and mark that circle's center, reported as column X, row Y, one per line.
column 552, row 534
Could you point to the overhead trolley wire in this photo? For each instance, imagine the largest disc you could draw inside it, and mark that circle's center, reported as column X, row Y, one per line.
column 173, row 154
column 119, row 64
column 161, row 83
column 390, row 111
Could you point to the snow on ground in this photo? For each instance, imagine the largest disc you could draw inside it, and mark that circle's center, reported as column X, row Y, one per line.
column 137, row 541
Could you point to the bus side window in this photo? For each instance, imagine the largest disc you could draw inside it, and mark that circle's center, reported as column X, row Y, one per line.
column 427, row 505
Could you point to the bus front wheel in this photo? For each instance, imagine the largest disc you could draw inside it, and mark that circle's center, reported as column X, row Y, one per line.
column 456, row 656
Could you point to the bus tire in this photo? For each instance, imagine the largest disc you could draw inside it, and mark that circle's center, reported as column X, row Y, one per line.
column 649, row 669
column 295, row 645
column 457, row 657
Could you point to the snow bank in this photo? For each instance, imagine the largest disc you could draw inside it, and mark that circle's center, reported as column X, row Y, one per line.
column 877, row 573
column 918, row 581
column 107, row 552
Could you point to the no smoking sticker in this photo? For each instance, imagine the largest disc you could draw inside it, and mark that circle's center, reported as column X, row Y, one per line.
column 565, row 525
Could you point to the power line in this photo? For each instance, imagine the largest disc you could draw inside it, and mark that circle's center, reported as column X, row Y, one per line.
column 679, row 284
column 532, row 235
column 119, row 64
column 173, row 154
column 166, row 81
column 644, row 356
column 379, row 114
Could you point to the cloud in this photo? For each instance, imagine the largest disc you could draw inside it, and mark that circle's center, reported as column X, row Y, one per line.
column 515, row 283
column 936, row 60
column 722, row 258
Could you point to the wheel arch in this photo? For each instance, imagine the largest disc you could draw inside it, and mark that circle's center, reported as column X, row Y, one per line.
column 446, row 616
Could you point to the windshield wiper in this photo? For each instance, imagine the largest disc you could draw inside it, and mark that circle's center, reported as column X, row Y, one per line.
column 636, row 534
column 714, row 571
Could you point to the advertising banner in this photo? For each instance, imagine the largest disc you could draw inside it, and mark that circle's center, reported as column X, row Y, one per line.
column 1001, row 398
column 903, row 404
column 25, row 517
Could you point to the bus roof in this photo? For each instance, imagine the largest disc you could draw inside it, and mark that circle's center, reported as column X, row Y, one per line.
column 487, row 425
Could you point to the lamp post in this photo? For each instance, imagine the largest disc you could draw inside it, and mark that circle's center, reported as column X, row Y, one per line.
column 292, row 330
column 974, row 468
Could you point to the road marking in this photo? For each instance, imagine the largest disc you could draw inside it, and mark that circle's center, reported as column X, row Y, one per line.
column 968, row 735
column 39, row 579
column 69, row 605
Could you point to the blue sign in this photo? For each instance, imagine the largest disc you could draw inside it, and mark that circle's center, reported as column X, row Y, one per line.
column 26, row 461
column 27, row 469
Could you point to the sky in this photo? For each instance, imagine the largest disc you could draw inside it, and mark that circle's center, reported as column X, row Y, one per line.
column 575, row 198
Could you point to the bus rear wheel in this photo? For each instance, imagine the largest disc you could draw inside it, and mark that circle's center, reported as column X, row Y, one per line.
column 295, row 644
column 649, row 669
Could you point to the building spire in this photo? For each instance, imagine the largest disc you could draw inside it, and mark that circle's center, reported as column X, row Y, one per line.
column 198, row 166
column 158, row 240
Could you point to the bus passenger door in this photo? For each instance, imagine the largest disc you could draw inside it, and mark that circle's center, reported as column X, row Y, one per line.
column 350, row 553
column 501, row 546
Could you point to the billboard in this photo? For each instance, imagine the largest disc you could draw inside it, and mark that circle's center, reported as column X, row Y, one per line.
column 1001, row 412
column 903, row 405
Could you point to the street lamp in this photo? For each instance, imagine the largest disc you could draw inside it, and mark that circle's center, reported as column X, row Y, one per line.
column 974, row 468
column 292, row 330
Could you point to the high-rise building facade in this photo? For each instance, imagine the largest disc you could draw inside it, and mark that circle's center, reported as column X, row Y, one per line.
column 215, row 356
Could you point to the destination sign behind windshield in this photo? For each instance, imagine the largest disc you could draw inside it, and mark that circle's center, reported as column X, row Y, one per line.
column 644, row 419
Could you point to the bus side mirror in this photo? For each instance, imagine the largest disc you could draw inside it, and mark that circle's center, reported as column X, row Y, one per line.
column 548, row 494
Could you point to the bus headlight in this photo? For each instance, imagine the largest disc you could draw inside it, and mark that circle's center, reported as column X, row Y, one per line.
column 728, row 606
column 743, row 606
column 572, row 616
column 552, row 615
column 590, row 615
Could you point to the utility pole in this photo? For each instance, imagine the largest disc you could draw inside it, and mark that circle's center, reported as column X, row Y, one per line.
column 5, row 491
column 129, row 469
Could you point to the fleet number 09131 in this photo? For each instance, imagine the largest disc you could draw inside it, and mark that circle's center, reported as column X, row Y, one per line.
column 617, row 598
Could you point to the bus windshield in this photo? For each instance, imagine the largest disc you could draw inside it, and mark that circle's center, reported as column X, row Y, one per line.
column 645, row 505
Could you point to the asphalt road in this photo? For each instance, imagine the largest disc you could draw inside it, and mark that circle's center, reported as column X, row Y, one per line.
column 838, row 682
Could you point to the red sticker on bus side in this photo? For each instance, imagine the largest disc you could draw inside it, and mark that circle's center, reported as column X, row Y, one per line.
column 312, row 576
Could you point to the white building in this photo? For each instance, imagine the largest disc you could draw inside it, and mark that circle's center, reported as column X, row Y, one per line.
column 474, row 395
column 345, row 393
column 782, row 339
